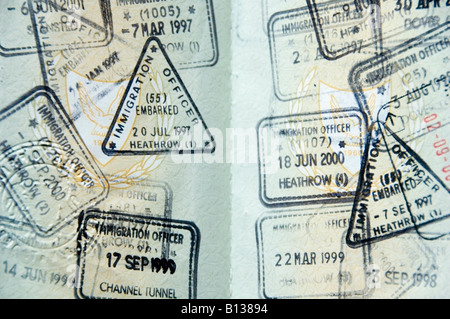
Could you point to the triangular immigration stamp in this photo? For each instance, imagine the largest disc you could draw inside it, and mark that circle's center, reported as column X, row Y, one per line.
column 157, row 114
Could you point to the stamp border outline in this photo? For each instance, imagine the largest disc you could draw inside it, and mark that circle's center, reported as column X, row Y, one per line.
column 12, row 224
column 154, row 221
column 109, row 152
column 19, row 104
column 366, row 256
column 152, row 183
column 420, row 161
column 377, row 61
column 366, row 231
column 110, row 35
column 310, row 199
column 281, row 15
column 214, row 41
column 354, row 81
column 323, row 47
column 105, row 8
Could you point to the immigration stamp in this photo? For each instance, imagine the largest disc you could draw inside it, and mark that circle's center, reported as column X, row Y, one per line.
column 186, row 28
column 156, row 114
column 405, row 163
column 346, row 26
column 311, row 157
column 92, row 91
column 295, row 53
column 148, row 197
column 407, row 266
column 59, row 23
column 36, row 273
column 45, row 167
column 397, row 192
column 20, row 231
column 65, row 69
column 120, row 257
column 304, row 255
column 377, row 26
column 405, row 75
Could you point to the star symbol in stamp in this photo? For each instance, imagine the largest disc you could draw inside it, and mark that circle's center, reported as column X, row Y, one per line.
column 33, row 123
column 378, row 132
column 355, row 29
column 381, row 90
column 291, row 42
column 73, row 187
column 342, row 144
column 112, row 145
column 191, row 10
column 154, row 49
column 356, row 237
column 126, row 15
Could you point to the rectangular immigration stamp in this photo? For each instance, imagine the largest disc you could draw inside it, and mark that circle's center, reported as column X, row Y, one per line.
column 185, row 27
column 304, row 255
column 377, row 26
column 346, row 26
column 406, row 75
column 422, row 276
column 148, row 197
column 120, row 256
column 310, row 158
column 44, row 166
column 295, row 53
column 59, row 23
column 336, row 35
column 404, row 182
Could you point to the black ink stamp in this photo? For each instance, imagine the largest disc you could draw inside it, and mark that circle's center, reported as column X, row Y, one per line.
column 45, row 167
column 353, row 26
column 187, row 29
column 119, row 256
column 304, row 255
column 55, row 25
column 295, row 51
column 151, row 120
column 398, row 61
column 310, row 158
